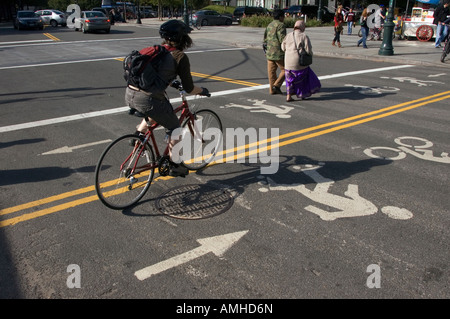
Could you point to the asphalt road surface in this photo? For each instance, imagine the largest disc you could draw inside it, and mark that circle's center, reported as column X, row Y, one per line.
column 355, row 205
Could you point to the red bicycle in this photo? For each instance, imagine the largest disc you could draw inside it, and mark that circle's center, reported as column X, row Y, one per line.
column 127, row 166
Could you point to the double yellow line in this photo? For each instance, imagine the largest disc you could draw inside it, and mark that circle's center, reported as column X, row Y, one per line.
column 219, row 78
column 283, row 140
column 48, row 35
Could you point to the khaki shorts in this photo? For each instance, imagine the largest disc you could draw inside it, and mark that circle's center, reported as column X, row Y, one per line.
column 160, row 110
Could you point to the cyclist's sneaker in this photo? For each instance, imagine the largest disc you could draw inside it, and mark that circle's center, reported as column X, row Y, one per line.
column 178, row 170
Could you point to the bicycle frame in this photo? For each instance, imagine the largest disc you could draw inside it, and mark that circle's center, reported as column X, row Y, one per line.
column 149, row 136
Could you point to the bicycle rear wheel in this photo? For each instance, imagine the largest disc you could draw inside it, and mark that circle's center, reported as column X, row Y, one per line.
column 124, row 172
column 204, row 136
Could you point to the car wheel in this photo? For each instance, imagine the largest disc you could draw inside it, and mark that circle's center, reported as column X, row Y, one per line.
column 228, row 22
column 204, row 22
column 54, row 23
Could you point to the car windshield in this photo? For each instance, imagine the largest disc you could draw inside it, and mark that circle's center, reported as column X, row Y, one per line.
column 96, row 14
column 27, row 15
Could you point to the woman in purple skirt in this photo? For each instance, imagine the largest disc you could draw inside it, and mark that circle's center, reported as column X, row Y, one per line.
column 300, row 80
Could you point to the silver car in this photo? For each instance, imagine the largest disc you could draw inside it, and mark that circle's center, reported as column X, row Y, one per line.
column 52, row 17
column 92, row 21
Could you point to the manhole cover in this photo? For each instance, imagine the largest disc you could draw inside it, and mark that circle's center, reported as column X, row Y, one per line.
column 194, row 201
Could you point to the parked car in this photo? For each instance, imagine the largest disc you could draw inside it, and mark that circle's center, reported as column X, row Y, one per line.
column 105, row 11
column 294, row 11
column 146, row 13
column 28, row 20
column 327, row 15
column 52, row 17
column 310, row 11
column 211, row 17
column 92, row 21
column 248, row 11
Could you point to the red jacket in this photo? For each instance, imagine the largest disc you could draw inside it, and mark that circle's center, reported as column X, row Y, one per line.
column 338, row 20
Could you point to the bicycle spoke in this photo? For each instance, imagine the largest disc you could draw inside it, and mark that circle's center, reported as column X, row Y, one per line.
column 206, row 138
column 124, row 172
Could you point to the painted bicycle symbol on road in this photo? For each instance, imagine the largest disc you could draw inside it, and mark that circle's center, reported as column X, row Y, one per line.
column 416, row 146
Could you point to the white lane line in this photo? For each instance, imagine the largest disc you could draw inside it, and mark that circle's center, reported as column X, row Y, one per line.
column 102, row 59
column 24, row 42
column 75, row 117
column 18, row 44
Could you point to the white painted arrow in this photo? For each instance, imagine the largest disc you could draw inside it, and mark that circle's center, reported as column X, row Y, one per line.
column 217, row 245
column 67, row 149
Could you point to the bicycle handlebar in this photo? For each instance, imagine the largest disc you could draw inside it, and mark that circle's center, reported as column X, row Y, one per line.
column 177, row 85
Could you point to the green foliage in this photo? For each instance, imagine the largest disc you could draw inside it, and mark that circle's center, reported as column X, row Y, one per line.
column 220, row 9
column 63, row 4
column 263, row 21
column 257, row 21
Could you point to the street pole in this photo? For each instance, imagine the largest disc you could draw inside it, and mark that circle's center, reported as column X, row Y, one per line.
column 319, row 11
column 138, row 20
column 185, row 13
column 386, row 47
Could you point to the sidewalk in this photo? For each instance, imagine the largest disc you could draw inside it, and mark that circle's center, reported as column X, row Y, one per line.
column 405, row 52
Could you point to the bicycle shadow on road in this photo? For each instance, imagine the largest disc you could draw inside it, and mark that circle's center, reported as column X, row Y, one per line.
column 236, row 178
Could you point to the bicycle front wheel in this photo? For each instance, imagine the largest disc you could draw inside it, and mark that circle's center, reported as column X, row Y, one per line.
column 124, row 172
column 204, row 135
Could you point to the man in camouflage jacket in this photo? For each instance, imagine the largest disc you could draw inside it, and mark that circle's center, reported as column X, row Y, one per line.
column 273, row 37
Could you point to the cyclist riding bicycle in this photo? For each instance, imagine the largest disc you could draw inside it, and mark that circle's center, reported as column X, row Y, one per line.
column 156, row 105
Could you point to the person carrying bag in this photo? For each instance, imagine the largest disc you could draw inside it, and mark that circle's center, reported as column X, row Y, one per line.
column 300, row 78
column 305, row 58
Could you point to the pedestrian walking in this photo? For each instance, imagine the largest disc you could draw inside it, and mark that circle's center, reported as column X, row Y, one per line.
column 440, row 15
column 380, row 16
column 300, row 80
column 364, row 29
column 273, row 37
column 350, row 21
column 338, row 21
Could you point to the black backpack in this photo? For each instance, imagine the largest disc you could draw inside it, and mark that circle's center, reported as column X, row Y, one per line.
column 141, row 68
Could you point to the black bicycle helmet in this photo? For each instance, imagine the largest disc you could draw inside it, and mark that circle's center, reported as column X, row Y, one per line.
column 173, row 30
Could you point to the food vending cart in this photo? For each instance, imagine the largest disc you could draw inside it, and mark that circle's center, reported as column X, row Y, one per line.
column 420, row 24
